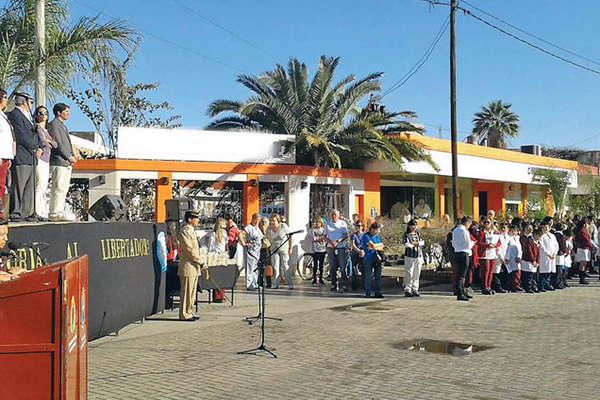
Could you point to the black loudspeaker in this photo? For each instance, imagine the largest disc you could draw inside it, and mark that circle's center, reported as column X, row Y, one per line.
column 109, row 208
column 176, row 208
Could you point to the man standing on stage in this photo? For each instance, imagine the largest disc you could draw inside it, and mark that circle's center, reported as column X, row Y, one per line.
column 7, row 153
column 61, row 161
column 190, row 264
column 29, row 149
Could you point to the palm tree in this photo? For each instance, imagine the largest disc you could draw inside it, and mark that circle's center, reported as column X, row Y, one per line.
column 330, row 127
column 495, row 123
column 87, row 45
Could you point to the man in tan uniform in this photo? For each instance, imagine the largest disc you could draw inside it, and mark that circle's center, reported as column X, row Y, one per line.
column 189, row 266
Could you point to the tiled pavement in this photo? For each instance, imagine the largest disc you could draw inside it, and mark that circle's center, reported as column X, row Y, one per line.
column 546, row 347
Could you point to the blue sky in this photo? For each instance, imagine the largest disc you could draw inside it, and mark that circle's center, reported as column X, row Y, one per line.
column 557, row 103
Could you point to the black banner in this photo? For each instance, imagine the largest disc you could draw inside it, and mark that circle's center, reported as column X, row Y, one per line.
column 125, row 279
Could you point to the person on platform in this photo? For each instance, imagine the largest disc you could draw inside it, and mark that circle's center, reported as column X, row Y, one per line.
column 251, row 239
column 422, row 210
column 370, row 245
column 217, row 239
column 280, row 258
column 512, row 259
column 190, row 265
column 488, row 244
column 584, row 246
column 337, row 253
column 61, row 161
column 232, row 236
column 28, row 151
column 413, row 259
column 594, row 237
column 8, row 148
column 265, row 250
column 462, row 245
column 42, row 171
column 548, row 252
column 319, row 247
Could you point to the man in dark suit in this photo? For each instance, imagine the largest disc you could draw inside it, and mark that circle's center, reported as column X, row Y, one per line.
column 61, row 161
column 29, row 149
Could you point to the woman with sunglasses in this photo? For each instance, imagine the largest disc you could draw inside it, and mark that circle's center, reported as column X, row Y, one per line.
column 42, row 171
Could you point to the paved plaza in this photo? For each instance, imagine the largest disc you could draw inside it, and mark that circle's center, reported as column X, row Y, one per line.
column 544, row 347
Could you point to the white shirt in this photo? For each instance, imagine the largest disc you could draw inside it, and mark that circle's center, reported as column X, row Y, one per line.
column 253, row 237
column 492, row 240
column 7, row 144
column 336, row 231
column 548, row 248
column 461, row 240
column 568, row 259
column 503, row 238
column 514, row 252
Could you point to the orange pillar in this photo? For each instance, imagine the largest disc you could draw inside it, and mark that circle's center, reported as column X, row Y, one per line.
column 475, row 189
column 441, row 196
column 524, row 195
column 372, row 199
column 164, row 191
column 251, row 198
column 550, row 206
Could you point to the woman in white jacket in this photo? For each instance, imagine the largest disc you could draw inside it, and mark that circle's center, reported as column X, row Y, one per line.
column 548, row 252
column 514, row 253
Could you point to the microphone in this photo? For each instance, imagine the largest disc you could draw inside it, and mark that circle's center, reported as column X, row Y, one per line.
column 295, row 232
column 21, row 245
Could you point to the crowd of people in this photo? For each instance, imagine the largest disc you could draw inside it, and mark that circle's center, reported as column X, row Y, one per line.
column 520, row 256
column 33, row 152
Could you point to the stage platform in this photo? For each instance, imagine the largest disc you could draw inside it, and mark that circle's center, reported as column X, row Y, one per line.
column 126, row 282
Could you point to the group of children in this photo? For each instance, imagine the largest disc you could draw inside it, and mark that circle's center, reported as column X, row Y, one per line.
column 527, row 256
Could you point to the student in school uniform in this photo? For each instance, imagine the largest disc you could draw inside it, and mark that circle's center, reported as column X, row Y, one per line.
column 557, row 277
column 513, row 256
column 568, row 234
column 529, row 261
column 548, row 252
column 503, row 238
column 488, row 245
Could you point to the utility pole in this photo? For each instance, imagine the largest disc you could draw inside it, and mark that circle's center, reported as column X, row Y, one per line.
column 453, row 123
column 40, row 35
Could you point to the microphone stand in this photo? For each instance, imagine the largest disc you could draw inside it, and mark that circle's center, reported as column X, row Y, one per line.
column 261, row 314
column 261, row 288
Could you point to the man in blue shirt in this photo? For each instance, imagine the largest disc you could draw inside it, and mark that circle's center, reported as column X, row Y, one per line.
column 370, row 244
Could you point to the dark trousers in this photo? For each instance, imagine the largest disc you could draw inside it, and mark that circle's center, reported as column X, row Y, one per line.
column 545, row 280
column 514, row 280
column 372, row 269
column 23, row 190
column 357, row 265
column 462, row 265
column 318, row 261
column 527, row 280
column 337, row 259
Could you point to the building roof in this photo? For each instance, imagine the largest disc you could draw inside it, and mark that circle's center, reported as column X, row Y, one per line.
column 444, row 145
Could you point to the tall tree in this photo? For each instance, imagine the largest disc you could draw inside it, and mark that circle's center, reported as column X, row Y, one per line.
column 115, row 103
column 495, row 123
column 325, row 116
column 84, row 46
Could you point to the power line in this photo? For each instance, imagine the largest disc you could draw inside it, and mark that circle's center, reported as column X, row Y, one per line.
column 530, row 34
column 168, row 41
column 219, row 26
column 528, row 43
column 421, row 61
